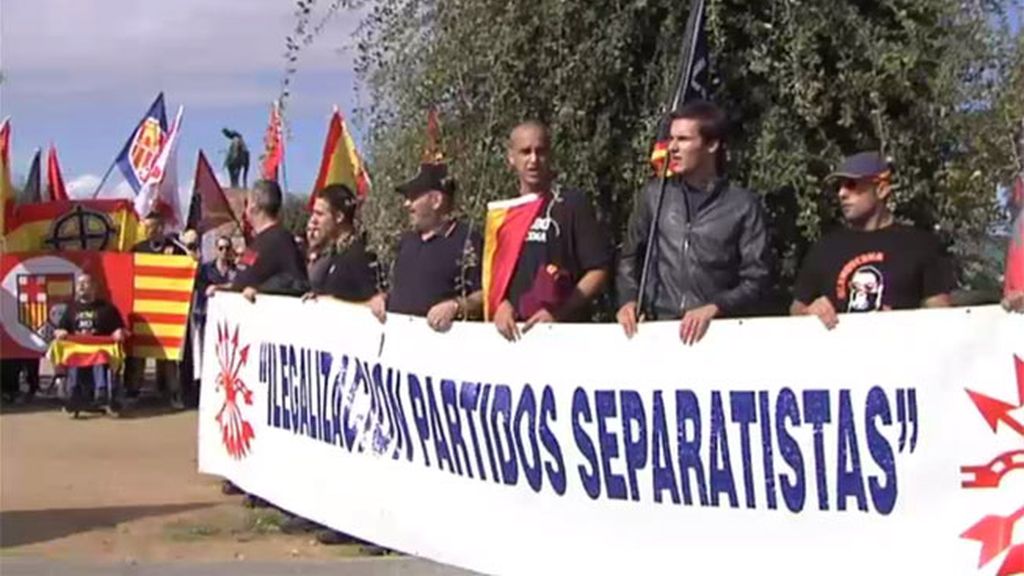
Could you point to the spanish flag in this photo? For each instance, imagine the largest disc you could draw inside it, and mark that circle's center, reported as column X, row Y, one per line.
column 58, row 226
column 341, row 163
column 6, row 189
column 161, row 299
column 81, row 351
column 508, row 222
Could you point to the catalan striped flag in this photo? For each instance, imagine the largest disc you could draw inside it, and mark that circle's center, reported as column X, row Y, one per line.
column 80, row 351
column 160, row 305
column 505, row 230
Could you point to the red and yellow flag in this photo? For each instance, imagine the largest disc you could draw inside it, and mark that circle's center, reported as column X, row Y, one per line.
column 106, row 225
column 508, row 222
column 341, row 163
column 81, row 351
column 160, row 305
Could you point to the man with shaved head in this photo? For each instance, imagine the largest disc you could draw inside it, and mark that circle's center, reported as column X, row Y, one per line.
column 564, row 261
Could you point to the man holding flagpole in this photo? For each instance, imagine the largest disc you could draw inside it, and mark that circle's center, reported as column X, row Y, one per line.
column 711, row 248
column 555, row 262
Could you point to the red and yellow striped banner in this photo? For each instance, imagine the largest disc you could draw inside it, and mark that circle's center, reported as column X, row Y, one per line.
column 505, row 230
column 160, row 307
column 83, row 351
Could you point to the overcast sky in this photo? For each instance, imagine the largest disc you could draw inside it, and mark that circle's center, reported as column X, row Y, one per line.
column 81, row 73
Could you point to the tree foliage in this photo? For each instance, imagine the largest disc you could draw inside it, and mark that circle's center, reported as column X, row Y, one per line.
column 933, row 83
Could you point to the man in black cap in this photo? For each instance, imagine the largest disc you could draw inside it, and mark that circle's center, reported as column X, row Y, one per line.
column 436, row 273
column 873, row 263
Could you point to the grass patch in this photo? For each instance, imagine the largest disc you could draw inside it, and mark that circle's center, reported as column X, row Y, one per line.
column 182, row 531
column 263, row 522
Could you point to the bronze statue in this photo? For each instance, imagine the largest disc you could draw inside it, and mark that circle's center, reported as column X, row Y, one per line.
column 237, row 161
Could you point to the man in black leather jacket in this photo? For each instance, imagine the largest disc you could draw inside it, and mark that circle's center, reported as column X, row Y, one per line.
column 711, row 251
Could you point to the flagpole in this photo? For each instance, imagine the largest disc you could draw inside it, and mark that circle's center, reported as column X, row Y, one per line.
column 690, row 37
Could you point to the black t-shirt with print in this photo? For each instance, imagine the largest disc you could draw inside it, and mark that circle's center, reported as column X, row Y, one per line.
column 349, row 274
column 96, row 318
column 565, row 233
column 894, row 268
column 272, row 263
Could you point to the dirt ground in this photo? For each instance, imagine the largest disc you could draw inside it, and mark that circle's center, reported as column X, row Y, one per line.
column 126, row 490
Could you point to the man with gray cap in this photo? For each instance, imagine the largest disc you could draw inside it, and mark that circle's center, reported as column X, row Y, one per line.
column 872, row 263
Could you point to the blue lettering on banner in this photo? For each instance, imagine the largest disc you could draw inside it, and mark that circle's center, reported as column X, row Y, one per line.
column 685, row 447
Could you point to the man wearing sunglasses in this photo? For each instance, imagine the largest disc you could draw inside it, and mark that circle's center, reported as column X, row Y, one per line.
column 873, row 263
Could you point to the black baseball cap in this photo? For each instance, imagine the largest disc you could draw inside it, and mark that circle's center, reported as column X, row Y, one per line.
column 430, row 177
column 862, row 165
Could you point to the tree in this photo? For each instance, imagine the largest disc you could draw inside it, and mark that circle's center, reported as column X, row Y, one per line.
column 805, row 82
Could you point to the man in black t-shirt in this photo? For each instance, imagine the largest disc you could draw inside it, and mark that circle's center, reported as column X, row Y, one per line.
column 271, row 262
column 343, row 268
column 564, row 261
column 873, row 264
column 89, row 316
column 436, row 272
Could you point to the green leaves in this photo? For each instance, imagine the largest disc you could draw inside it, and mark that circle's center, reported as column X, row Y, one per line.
column 928, row 81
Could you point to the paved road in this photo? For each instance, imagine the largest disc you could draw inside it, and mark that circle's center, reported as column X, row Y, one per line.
column 355, row 567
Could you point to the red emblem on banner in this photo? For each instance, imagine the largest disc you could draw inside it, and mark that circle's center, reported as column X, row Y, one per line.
column 995, row 532
column 236, row 432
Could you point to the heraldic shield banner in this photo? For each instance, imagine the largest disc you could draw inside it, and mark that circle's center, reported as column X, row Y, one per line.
column 152, row 292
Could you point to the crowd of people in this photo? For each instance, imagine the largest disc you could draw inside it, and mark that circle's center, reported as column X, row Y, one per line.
column 709, row 258
column 693, row 252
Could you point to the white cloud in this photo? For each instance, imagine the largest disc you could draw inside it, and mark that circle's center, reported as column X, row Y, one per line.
column 215, row 52
column 82, row 186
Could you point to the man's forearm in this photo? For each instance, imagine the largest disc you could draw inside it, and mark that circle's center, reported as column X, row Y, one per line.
column 589, row 286
column 472, row 306
column 797, row 308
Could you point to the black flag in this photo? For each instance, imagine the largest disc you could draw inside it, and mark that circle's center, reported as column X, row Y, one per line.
column 32, row 193
column 692, row 79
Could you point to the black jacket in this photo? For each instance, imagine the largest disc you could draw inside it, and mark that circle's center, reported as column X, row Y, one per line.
column 719, row 255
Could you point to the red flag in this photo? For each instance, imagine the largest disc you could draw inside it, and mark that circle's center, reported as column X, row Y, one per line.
column 432, row 153
column 214, row 208
column 53, row 176
column 6, row 189
column 505, row 230
column 273, row 142
column 1013, row 278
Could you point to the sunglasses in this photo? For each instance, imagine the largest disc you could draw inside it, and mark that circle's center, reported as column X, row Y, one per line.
column 223, row 248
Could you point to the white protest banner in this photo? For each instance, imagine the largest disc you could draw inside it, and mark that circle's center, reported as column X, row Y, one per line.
column 891, row 445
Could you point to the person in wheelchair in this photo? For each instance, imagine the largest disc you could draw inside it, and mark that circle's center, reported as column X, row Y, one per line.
column 89, row 315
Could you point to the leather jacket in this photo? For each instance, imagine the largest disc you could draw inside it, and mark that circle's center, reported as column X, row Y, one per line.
column 716, row 252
